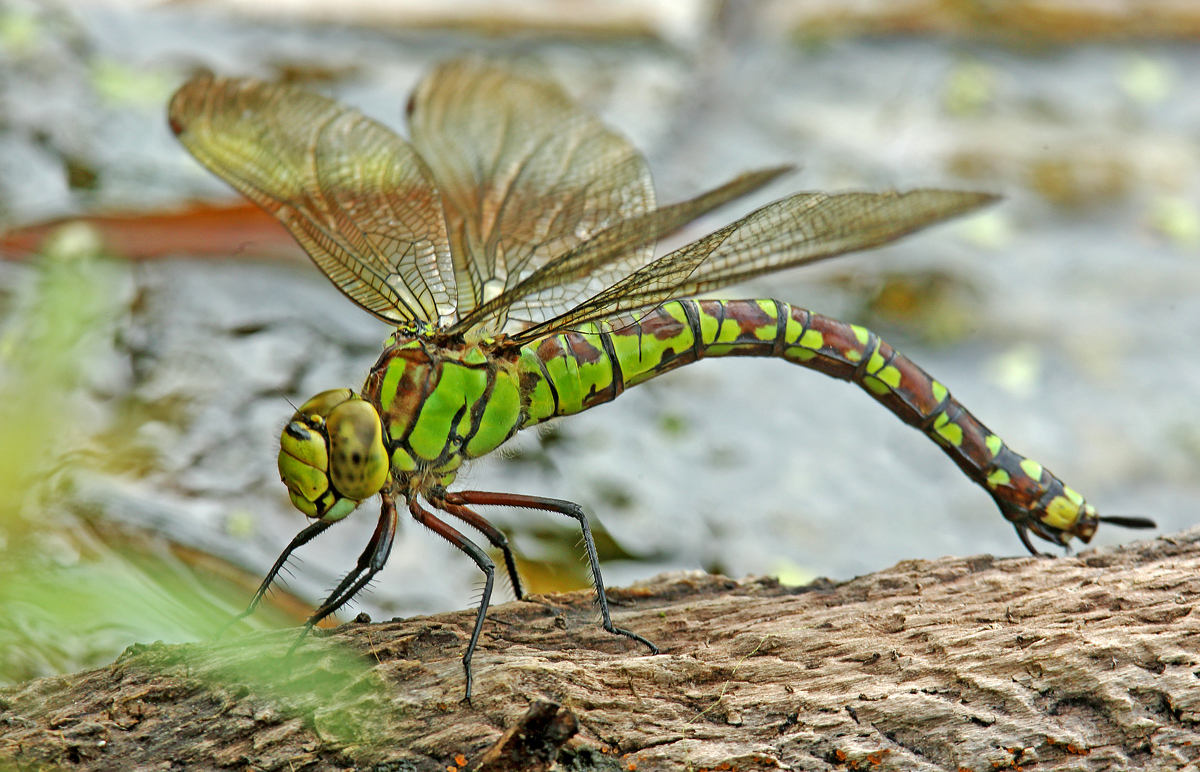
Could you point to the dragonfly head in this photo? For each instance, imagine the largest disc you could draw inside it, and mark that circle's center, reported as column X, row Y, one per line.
column 331, row 455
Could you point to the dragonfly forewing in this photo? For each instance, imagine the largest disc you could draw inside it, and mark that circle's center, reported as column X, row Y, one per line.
column 357, row 197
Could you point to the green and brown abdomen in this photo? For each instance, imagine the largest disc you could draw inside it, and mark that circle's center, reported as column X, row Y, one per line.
column 587, row 368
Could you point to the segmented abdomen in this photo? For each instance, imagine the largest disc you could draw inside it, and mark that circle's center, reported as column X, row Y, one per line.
column 589, row 367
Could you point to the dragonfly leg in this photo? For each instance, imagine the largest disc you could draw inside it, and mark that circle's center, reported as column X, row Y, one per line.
column 1023, row 533
column 304, row 537
column 370, row 562
column 447, row 532
column 571, row 510
column 453, row 504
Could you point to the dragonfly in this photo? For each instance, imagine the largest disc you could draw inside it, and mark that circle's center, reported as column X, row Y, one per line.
column 510, row 242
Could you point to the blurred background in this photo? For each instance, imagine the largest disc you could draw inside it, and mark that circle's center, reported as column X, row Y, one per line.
column 153, row 329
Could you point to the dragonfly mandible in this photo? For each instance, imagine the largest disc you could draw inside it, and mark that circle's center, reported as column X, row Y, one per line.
column 510, row 241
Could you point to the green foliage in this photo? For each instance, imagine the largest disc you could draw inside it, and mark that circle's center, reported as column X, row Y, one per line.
column 75, row 590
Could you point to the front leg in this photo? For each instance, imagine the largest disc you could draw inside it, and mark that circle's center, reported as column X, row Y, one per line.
column 299, row 540
column 372, row 560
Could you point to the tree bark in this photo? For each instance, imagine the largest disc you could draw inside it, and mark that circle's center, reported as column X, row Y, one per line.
column 979, row 663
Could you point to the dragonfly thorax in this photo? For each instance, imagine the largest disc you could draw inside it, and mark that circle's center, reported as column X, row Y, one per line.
column 332, row 456
column 442, row 402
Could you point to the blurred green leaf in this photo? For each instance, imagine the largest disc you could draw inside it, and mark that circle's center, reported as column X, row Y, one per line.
column 970, row 88
column 1177, row 219
column 1146, row 80
column 333, row 687
column 75, row 591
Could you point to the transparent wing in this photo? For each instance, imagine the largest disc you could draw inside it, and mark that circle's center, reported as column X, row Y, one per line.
column 557, row 281
column 525, row 176
column 356, row 196
column 795, row 231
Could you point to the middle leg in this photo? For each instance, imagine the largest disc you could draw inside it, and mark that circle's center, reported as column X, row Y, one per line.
column 447, row 532
column 447, row 502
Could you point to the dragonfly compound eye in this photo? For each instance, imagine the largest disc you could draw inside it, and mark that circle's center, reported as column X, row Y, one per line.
column 331, row 455
column 304, row 466
column 358, row 460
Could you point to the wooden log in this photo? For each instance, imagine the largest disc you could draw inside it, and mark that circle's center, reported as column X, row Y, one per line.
column 1080, row 663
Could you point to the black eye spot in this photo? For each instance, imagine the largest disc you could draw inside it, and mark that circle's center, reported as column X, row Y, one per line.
column 356, row 458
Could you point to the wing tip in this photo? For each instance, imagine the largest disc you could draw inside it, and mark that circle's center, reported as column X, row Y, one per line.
column 958, row 201
column 988, row 197
column 186, row 100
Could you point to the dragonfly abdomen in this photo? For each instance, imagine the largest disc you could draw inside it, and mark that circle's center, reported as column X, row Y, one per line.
column 588, row 367
column 1027, row 494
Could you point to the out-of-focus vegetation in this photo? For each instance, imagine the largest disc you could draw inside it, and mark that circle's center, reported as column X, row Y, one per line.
column 76, row 590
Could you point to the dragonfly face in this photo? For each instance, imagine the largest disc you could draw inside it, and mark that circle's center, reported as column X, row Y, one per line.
column 331, row 455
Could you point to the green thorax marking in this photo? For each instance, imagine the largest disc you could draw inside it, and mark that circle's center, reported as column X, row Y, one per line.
column 443, row 401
